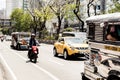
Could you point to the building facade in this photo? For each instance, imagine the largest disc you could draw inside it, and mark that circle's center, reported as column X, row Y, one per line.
column 25, row 5
column 2, row 14
column 11, row 5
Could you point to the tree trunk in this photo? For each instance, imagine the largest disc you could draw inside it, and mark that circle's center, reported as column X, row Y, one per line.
column 88, row 7
column 81, row 21
column 59, row 26
column 42, row 27
column 88, row 10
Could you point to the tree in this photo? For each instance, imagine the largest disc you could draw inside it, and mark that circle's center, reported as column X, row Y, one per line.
column 89, row 5
column 21, row 20
column 59, row 8
column 16, row 18
column 40, row 13
column 26, row 21
column 31, row 10
column 76, row 12
column 43, row 14
column 69, row 29
column 116, row 8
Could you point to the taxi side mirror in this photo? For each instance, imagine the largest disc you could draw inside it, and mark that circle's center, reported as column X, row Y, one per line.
column 86, row 42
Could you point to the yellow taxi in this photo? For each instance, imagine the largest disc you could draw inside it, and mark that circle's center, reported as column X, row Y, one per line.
column 71, row 46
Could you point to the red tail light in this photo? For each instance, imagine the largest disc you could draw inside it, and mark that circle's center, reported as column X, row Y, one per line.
column 34, row 48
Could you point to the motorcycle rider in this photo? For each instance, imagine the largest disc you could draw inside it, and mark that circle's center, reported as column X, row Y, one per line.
column 32, row 42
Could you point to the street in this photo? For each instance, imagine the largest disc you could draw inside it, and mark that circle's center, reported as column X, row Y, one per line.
column 47, row 67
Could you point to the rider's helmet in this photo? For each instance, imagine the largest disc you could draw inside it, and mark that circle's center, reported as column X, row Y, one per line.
column 32, row 35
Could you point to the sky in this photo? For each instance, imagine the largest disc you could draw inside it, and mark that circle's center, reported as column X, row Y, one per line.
column 2, row 4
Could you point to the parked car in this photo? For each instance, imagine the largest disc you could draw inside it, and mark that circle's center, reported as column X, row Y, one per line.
column 71, row 46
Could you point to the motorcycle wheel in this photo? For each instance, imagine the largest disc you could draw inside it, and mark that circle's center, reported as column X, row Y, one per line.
column 35, row 60
column 30, row 60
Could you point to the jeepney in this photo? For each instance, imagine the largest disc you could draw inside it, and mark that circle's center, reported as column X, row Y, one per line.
column 103, row 32
column 20, row 40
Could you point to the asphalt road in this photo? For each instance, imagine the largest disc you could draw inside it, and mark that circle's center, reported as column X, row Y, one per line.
column 47, row 67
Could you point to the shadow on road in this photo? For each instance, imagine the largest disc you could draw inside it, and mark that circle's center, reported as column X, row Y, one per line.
column 74, row 58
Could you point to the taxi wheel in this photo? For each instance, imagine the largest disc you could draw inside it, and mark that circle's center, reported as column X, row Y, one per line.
column 55, row 52
column 65, row 55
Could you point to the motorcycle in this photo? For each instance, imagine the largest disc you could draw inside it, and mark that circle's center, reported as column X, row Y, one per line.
column 33, row 54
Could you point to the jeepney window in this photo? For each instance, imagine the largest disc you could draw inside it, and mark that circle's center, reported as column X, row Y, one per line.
column 91, row 31
column 105, row 63
column 113, row 33
column 116, row 63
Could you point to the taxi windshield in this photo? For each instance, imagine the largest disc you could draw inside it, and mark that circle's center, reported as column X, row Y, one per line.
column 74, row 40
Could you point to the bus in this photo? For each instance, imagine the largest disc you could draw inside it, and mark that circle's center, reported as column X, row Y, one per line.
column 103, row 32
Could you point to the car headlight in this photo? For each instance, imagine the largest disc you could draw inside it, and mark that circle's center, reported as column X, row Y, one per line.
column 73, row 48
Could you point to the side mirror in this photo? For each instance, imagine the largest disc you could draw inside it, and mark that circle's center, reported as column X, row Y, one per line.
column 86, row 41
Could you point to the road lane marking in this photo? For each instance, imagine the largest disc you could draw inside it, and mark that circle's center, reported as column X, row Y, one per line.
column 55, row 62
column 9, row 69
column 40, row 68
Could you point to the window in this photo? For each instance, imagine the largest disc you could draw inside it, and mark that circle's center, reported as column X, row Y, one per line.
column 91, row 33
column 68, row 34
column 116, row 63
column 113, row 33
column 106, row 63
column 98, row 7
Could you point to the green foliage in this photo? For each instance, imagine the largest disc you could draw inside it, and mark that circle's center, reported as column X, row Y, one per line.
column 25, row 21
column 20, row 19
column 5, row 30
column 16, row 17
column 69, row 29
column 69, row 11
column 116, row 9
column 44, row 13
column 50, row 38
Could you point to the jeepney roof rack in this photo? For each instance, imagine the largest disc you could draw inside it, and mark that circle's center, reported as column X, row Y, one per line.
column 104, row 17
